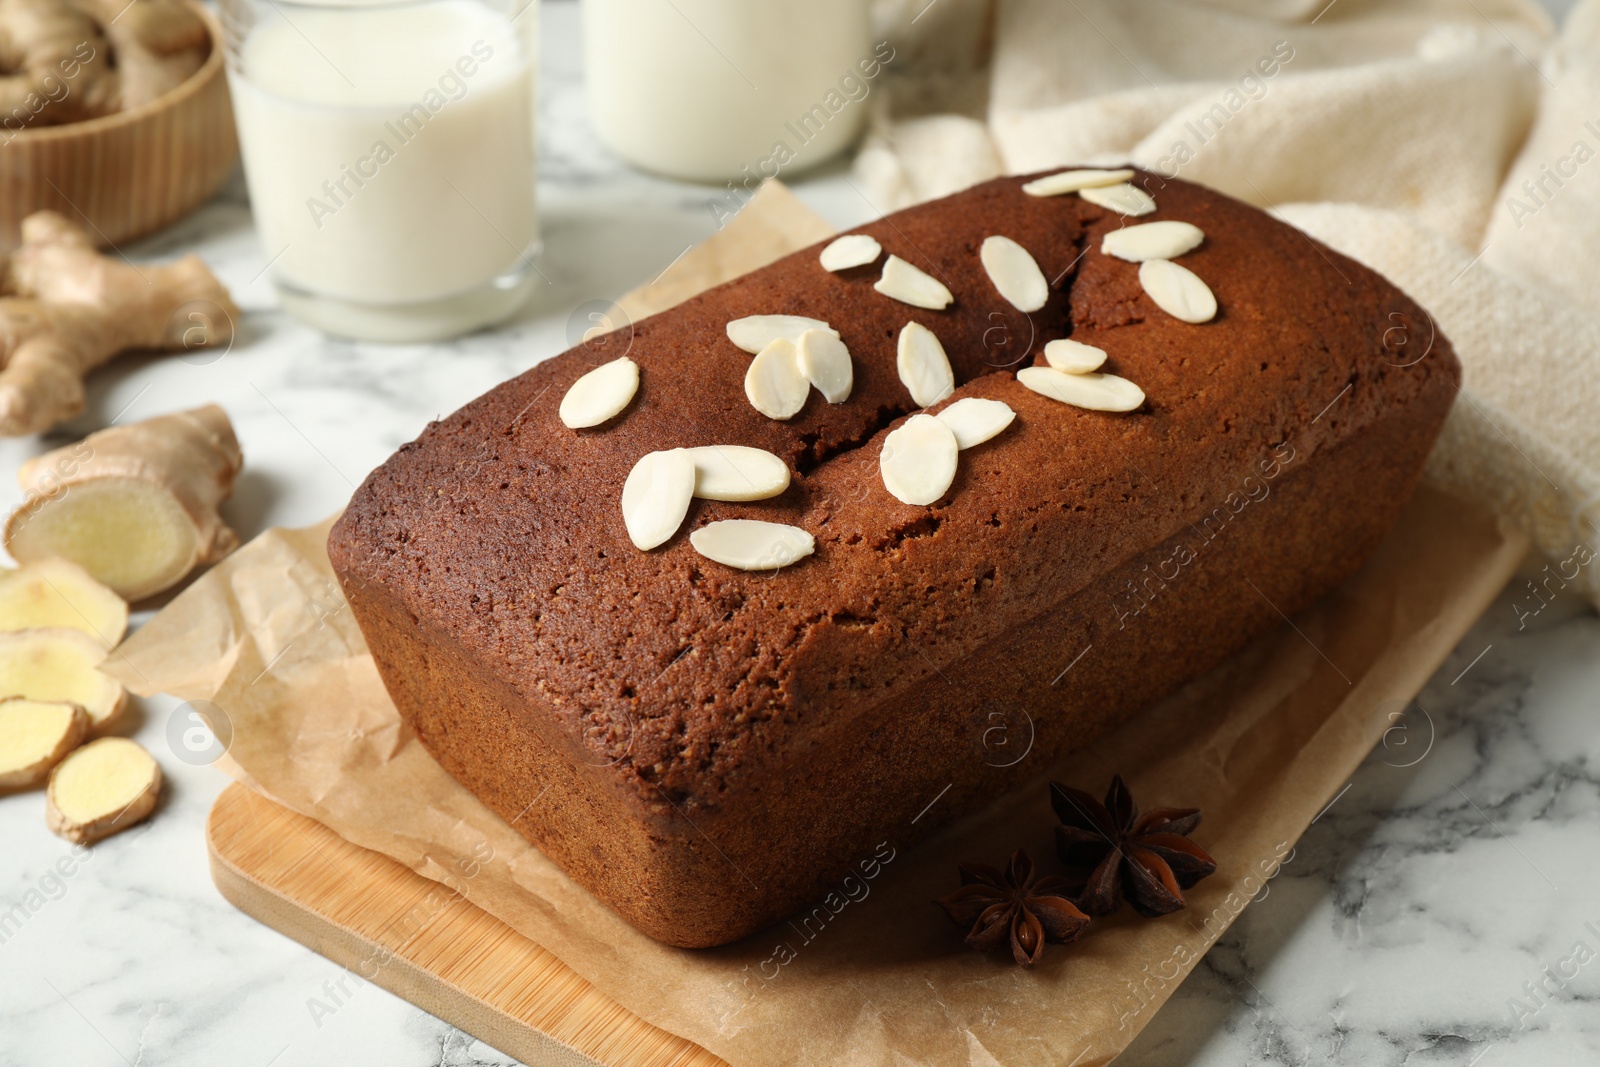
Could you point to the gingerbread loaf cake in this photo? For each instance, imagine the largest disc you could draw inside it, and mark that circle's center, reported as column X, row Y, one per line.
column 708, row 748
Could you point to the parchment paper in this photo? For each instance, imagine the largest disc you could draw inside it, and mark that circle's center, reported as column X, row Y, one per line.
column 1265, row 742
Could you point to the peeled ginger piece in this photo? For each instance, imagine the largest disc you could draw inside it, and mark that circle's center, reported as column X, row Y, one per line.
column 102, row 788
column 131, row 533
column 60, row 664
column 34, row 736
column 135, row 506
column 54, row 592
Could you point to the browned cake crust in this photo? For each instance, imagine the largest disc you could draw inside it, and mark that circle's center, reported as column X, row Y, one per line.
column 707, row 749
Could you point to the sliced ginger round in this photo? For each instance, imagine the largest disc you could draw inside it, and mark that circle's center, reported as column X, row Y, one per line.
column 34, row 736
column 102, row 788
column 55, row 592
column 60, row 665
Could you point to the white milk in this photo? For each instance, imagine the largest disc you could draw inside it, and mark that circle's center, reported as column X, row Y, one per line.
column 717, row 89
column 390, row 157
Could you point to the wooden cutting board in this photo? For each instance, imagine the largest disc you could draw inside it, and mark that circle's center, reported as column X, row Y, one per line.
column 393, row 927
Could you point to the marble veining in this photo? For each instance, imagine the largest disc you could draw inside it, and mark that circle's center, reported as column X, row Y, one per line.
column 1441, row 911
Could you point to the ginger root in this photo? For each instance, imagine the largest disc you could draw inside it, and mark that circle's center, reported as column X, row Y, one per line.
column 34, row 736
column 158, row 44
column 135, row 506
column 55, row 592
column 70, row 60
column 61, row 665
column 67, row 309
column 57, row 63
column 104, row 787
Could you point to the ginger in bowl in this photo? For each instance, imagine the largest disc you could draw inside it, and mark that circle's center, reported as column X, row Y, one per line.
column 115, row 114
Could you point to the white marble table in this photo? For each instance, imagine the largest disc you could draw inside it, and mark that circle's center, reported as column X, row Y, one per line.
column 1424, row 904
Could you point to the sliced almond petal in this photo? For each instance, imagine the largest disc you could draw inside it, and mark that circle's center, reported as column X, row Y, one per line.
column 1152, row 240
column 1071, row 181
column 909, row 285
column 1123, row 199
column 1074, row 357
column 1178, row 291
column 656, row 496
column 773, row 382
column 976, row 419
column 1015, row 274
column 600, row 394
column 918, row 461
column 851, row 250
column 737, row 472
column 752, row 545
column 923, row 366
column 825, row 361
column 1093, row 392
column 755, row 332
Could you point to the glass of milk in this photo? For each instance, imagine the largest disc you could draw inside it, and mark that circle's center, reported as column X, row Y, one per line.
column 712, row 90
column 389, row 150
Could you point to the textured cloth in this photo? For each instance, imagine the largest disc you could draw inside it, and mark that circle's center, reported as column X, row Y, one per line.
column 1450, row 144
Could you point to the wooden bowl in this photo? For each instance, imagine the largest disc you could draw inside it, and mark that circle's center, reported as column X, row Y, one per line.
column 128, row 173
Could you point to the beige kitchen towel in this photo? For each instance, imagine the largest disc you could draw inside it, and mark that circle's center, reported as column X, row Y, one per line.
column 1450, row 144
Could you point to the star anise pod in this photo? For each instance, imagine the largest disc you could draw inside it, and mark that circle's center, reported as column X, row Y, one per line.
column 1113, row 852
column 1012, row 903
